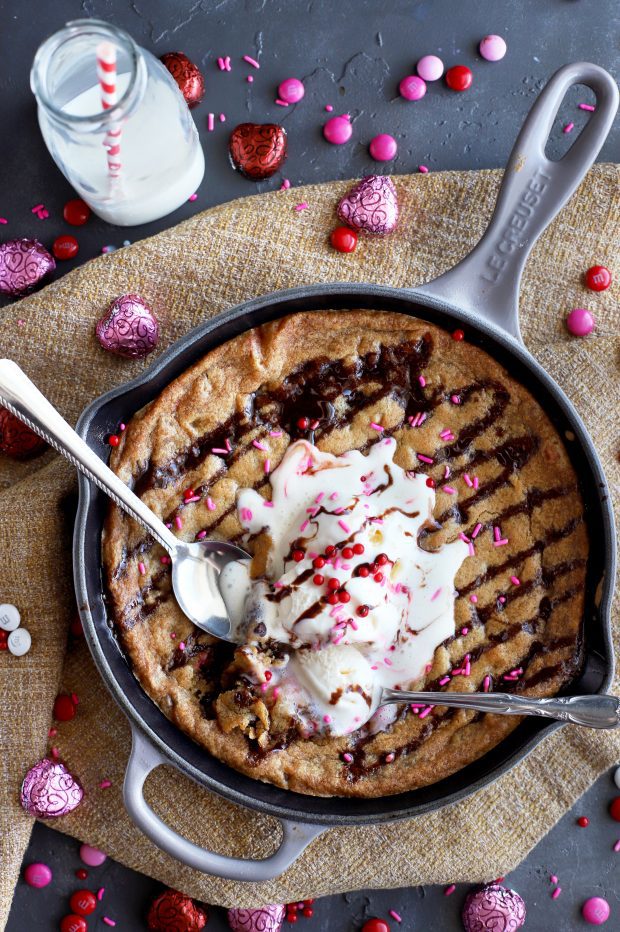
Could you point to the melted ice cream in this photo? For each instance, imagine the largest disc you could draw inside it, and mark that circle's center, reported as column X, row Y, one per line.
column 393, row 603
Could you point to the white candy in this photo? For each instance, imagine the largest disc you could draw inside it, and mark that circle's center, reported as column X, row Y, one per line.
column 9, row 617
column 19, row 642
column 617, row 777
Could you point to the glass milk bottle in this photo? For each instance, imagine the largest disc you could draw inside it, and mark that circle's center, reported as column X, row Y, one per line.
column 138, row 159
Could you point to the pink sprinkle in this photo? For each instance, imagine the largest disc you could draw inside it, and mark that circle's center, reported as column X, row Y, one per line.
column 100, row 893
column 249, row 79
column 267, row 466
column 449, row 890
column 515, row 580
column 281, row 103
column 210, row 503
column 468, row 481
column 222, row 117
column 502, row 599
column 258, row 445
column 181, row 645
column 377, row 427
column 444, row 434
column 52, row 733
column 427, row 711
column 463, row 537
column 569, row 128
column 246, row 514
column 449, row 490
column 423, row 169
column 54, row 752
column 220, row 64
column 164, row 560
column 587, row 107
column 3, row 220
column 387, row 661
column 333, row 496
column 556, row 893
column 228, row 445
column 424, row 459
column 497, row 533
column 122, row 426
column 251, row 61
column 319, row 498
column 476, row 530
column 444, row 680
column 428, row 667
column 553, row 878
column 285, row 185
column 345, row 527
column 201, row 535
column 173, row 635
column 303, row 525
column 327, row 719
column 221, row 450
column 211, row 122
column 467, row 671
column 264, row 687
column 464, row 631
column 455, row 399
column 108, row 921
column 268, row 504
column 389, row 759
column 75, row 698
column 347, row 757
column 227, row 64
column 329, row 108
column 500, row 543
column 435, row 594
column 275, row 433
column 422, row 380
column 141, row 569
column 392, row 912
column 105, row 784
column 302, row 206
column 617, row 846
column 446, row 472
column 37, row 208
column 276, row 692
column 472, row 552
column 178, row 523
column 476, row 483
column 486, row 684
column 473, row 598
column 353, row 624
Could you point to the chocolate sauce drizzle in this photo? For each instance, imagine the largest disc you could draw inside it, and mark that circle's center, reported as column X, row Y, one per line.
column 311, row 392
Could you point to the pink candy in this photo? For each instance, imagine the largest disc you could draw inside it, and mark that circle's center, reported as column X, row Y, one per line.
column 338, row 130
column 412, row 87
column 291, row 91
column 37, row 875
column 92, row 856
column 383, row 148
column 580, row 322
column 595, row 911
column 492, row 48
column 430, row 68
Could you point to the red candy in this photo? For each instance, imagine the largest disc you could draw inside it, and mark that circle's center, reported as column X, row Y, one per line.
column 73, row 924
column 583, row 821
column 343, row 239
column 76, row 212
column 81, row 874
column 598, row 278
column 174, row 912
column 16, row 439
column 614, row 809
column 65, row 247
column 64, row 708
column 83, row 902
column 459, row 78
column 376, row 925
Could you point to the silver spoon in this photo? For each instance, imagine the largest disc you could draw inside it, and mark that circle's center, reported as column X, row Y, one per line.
column 196, row 567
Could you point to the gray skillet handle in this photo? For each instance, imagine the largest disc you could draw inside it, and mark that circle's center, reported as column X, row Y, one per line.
column 533, row 190
column 143, row 759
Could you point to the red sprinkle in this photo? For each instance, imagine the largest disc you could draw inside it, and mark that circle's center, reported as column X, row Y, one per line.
column 297, row 555
column 450, row 890
column 303, row 423
column 318, row 563
column 333, row 583
column 343, row 596
column 81, row 874
column 114, row 440
column 362, row 610
column 583, row 821
column 358, row 549
column 64, row 708
column 614, row 809
column 458, row 335
column 430, row 483
column 318, row 579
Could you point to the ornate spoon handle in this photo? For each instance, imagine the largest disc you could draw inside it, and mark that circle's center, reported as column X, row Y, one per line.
column 591, row 711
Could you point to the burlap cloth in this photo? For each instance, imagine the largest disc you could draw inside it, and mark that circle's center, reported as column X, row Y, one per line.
column 193, row 271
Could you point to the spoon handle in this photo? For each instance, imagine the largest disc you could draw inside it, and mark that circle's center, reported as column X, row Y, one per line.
column 598, row 711
column 25, row 401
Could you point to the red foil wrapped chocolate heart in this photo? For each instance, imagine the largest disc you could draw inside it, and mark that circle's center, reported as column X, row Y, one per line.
column 187, row 75
column 49, row 790
column 264, row 919
column 24, row 264
column 16, row 439
column 128, row 328
column 174, row 912
column 493, row 909
column 371, row 206
column 257, row 149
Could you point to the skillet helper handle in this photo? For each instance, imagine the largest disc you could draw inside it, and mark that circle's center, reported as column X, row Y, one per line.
column 533, row 190
column 143, row 759
column 23, row 399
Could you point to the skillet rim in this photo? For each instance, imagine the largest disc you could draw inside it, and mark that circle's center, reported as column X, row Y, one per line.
column 139, row 708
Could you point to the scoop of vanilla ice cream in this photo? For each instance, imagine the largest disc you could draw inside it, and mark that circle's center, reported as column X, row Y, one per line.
column 347, row 587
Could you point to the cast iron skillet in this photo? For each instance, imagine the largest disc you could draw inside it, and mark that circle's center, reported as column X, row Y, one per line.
column 480, row 294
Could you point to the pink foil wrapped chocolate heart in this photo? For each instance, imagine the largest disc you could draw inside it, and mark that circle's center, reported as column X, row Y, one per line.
column 371, row 206
column 493, row 909
column 128, row 328
column 24, row 264
column 265, row 919
column 49, row 790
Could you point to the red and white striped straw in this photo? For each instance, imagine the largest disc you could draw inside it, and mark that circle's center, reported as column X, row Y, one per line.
column 106, row 72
